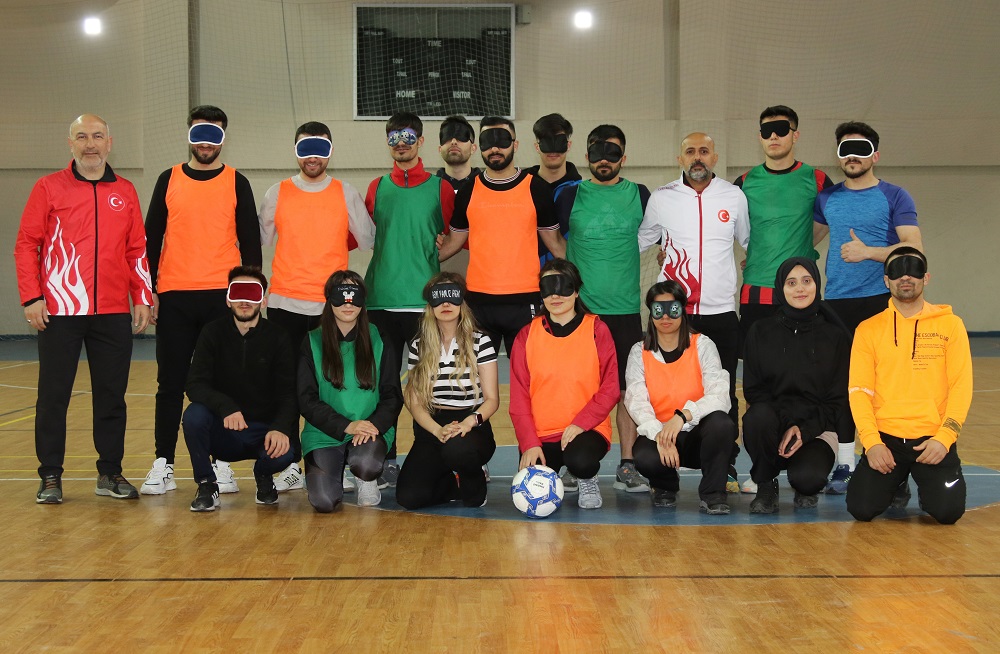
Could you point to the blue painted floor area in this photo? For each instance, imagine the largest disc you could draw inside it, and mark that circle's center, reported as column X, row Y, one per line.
column 621, row 508
column 25, row 348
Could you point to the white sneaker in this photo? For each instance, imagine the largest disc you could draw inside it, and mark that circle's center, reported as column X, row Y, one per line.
column 290, row 479
column 590, row 494
column 368, row 493
column 225, row 478
column 349, row 486
column 749, row 487
column 160, row 478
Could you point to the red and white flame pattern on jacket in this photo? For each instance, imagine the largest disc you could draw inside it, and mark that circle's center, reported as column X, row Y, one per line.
column 82, row 246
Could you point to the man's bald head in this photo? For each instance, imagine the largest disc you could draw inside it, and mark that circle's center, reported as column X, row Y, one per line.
column 698, row 156
column 88, row 118
column 697, row 139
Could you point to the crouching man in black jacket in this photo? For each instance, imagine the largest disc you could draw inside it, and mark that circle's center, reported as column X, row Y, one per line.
column 242, row 391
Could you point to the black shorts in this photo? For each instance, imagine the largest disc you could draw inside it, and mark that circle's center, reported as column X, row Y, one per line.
column 626, row 331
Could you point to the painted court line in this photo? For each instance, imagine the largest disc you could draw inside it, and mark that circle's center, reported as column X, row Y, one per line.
column 18, row 365
column 665, row 577
column 11, row 422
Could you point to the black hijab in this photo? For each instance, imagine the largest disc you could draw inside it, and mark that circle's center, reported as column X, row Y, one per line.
column 818, row 310
column 805, row 314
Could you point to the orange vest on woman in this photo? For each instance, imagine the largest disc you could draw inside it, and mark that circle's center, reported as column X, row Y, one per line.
column 672, row 385
column 565, row 376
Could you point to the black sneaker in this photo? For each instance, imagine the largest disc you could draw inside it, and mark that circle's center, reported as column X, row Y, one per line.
column 50, row 490
column 714, row 508
column 116, row 486
column 207, row 497
column 665, row 499
column 805, row 501
column 767, row 498
column 390, row 474
column 901, row 496
column 266, row 492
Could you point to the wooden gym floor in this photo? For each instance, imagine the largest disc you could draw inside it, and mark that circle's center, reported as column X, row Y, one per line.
column 149, row 576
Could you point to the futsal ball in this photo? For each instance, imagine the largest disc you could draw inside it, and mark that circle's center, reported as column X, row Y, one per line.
column 537, row 491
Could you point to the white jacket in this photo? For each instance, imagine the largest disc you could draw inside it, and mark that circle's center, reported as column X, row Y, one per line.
column 696, row 231
column 714, row 379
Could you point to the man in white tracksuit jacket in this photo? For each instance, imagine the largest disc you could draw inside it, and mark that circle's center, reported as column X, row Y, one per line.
column 695, row 219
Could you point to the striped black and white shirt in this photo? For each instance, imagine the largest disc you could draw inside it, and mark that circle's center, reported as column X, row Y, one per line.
column 457, row 393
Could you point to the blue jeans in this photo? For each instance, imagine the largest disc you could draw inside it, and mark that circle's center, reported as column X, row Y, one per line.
column 206, row 437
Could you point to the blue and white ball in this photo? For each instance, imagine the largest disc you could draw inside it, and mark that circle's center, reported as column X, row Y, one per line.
column 537, row 491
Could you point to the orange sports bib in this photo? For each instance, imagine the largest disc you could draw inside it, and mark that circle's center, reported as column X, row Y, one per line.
column 565, row 375
column 672, row 385
column 312, row 240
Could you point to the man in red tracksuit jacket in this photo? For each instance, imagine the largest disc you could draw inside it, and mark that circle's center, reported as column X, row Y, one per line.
column 80, row 256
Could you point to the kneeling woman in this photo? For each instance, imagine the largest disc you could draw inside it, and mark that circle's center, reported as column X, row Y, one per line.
column 349, row 395
column 564, row 383
column 678, row 394
column 452, row 392
column 795, row 369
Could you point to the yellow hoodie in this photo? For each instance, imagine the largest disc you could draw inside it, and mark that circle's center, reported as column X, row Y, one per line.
column 911, row 377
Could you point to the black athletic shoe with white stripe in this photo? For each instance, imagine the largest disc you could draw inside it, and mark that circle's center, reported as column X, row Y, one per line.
column 266, row 492
column 207, row 497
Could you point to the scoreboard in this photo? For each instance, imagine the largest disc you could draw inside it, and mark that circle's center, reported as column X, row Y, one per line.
column 433, row 60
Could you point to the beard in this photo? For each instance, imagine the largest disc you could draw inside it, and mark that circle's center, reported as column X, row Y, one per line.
column 89, row 163
column 908, row 293
column 242, row 318
column 205, row 159
column 498, row 165
column 455, row 157
column 404, row 155
column 605, row 173
column 699, row 174
column 319, row 172
column 854, row 174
